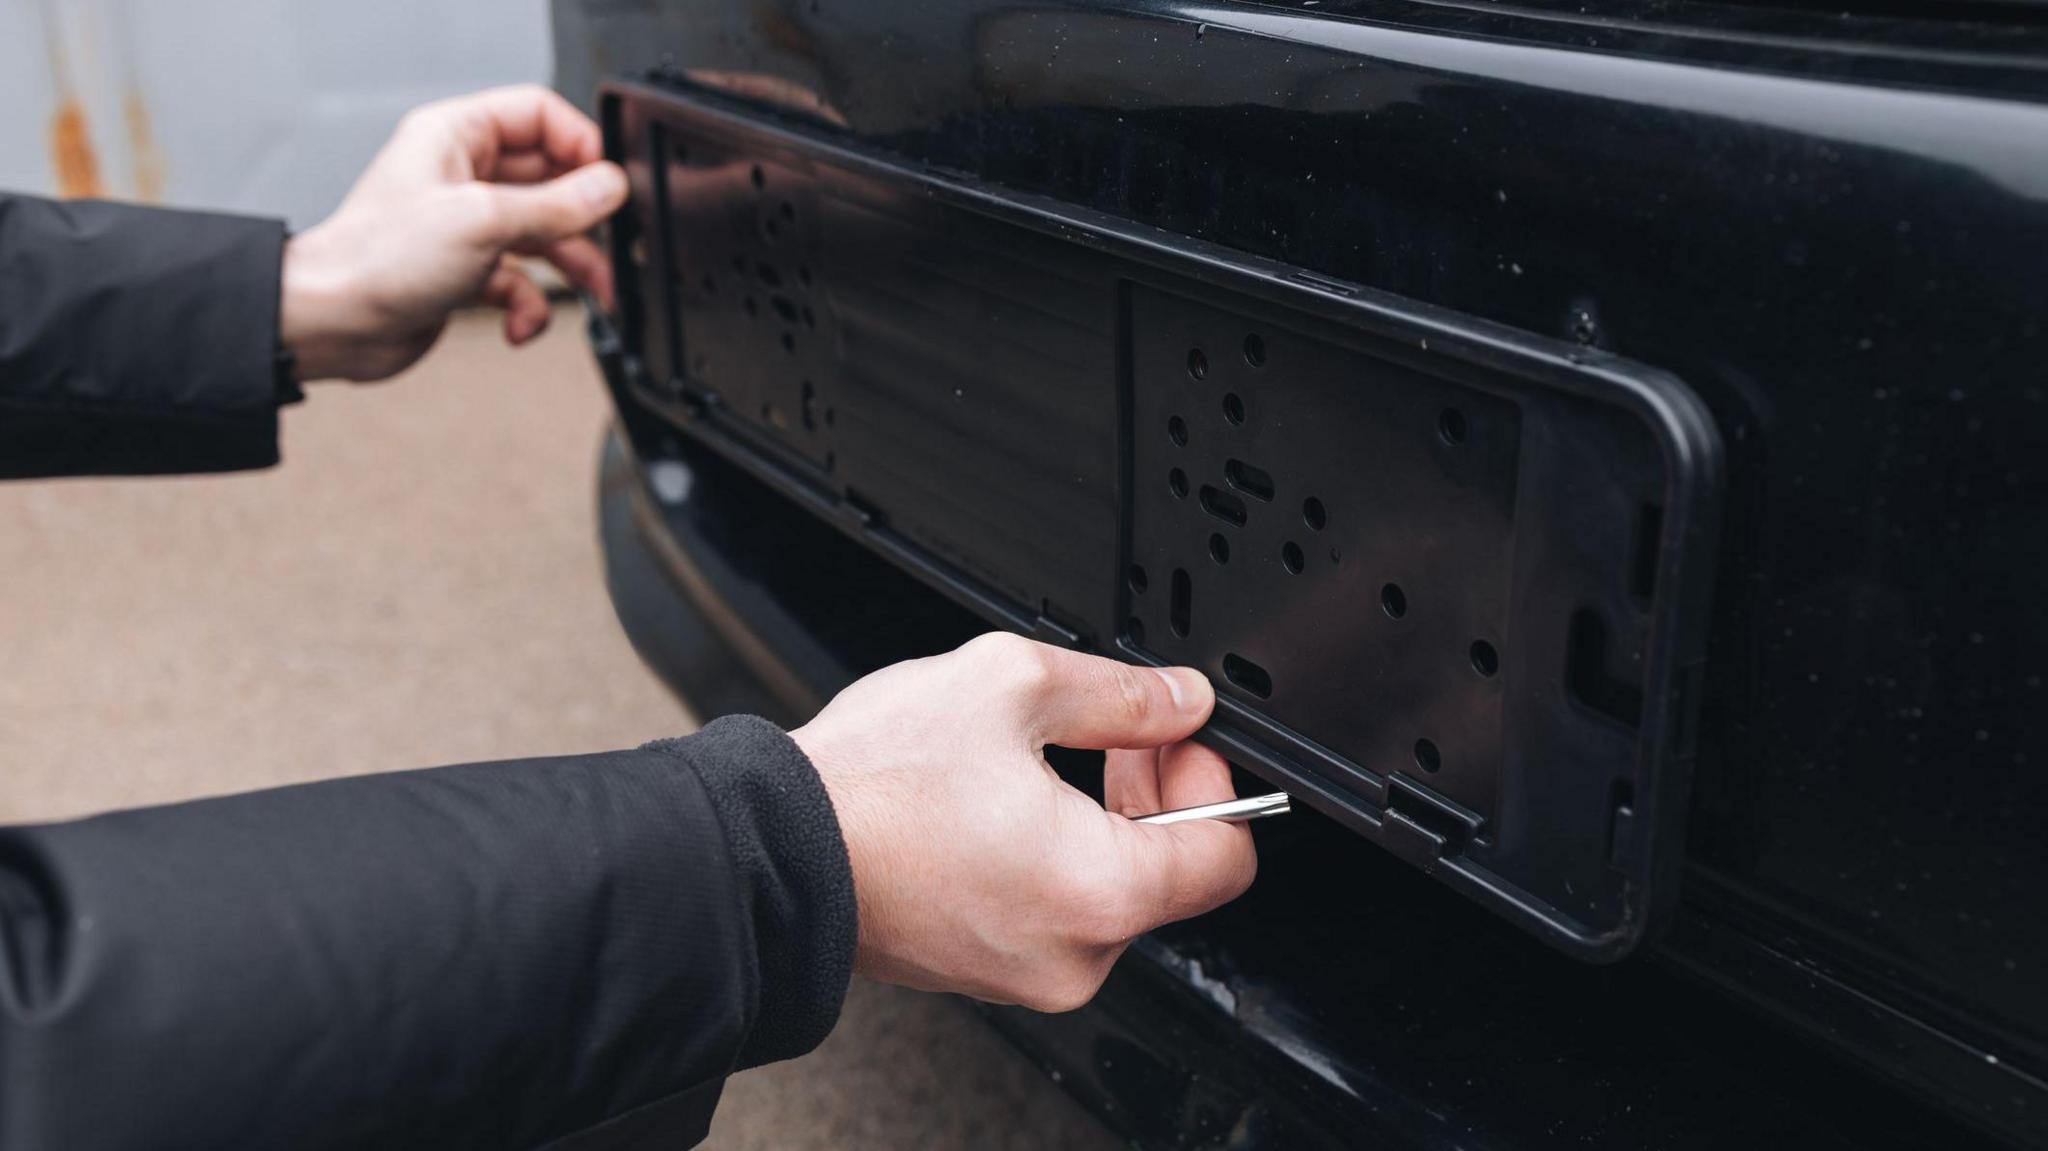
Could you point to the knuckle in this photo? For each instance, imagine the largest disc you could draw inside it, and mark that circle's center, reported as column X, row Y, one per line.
column 484, row 209
column 1133, row 697
column 426, row 118
column 1035, row 669
column 1015, row 663
column 989, row 645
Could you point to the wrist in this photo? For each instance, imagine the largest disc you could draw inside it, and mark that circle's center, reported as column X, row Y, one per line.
column 851, row 816
column 314, row 325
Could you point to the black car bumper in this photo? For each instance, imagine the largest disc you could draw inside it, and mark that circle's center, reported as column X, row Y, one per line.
column 1344, row 1002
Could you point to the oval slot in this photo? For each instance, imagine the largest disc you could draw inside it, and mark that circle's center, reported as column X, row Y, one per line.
column 1223, row 506
column 1254, row 482
column 1248, row 675
column 1180, row 608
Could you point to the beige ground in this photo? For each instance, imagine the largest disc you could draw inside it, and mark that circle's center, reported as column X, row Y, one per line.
column 418, row 585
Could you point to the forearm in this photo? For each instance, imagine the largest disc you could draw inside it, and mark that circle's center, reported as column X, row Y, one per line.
column 136, row 340
column 488, row 956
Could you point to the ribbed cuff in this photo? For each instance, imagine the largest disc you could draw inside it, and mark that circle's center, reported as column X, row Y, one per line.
column 795, row 879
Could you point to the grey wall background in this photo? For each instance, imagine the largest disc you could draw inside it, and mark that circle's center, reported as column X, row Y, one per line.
column 263, row 106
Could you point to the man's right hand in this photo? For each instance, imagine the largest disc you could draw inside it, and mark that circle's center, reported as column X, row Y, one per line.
column 976, row 868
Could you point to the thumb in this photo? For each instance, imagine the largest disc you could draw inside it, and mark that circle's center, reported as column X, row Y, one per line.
column 1086, row 701
column 567, row 205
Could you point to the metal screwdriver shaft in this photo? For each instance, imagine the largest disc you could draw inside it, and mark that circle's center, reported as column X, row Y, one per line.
column 1230, row 811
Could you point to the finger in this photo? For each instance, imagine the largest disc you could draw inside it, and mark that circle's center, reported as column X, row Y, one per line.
column 527, row 313
column 522, row 168
column 1184, row 869
column 1086, row 701
column 582, row 263
column 1184, row 774
column 540, row 214
column 1191, row 775
column 525, row 167
column 1130, row 782
column 524, row 118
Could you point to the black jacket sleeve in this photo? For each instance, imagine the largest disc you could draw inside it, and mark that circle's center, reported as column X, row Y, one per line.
column 571, row 952
column 136, row 340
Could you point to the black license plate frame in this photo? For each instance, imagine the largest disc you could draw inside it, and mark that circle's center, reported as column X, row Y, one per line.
column 1580, row 485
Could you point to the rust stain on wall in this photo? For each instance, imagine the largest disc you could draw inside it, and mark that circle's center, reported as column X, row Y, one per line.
column 78, row 169
column 142, row 147
column 71, row 154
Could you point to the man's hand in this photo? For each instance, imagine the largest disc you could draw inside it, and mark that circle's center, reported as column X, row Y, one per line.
column 976, row 868
column 462, row 186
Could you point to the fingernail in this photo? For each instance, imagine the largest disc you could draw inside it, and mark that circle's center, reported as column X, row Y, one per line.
column 600, row 185
column 1174, row 689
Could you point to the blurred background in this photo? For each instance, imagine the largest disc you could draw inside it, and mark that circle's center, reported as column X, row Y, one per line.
column 420, row 583
column 238, row 105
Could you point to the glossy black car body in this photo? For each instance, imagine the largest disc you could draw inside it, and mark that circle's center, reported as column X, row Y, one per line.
column 1832, row 226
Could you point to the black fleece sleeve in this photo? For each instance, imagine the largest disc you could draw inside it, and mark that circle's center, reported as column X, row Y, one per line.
column 136, row 340
column 795, row 884
column 570, row 952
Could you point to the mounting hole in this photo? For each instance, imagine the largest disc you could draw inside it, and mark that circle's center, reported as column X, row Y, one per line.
column 810, row 318
column 1427, row 757
column 760, row 178
column 1393, row 601
column 1248, row 675
column 1138, row 580
column 831, row 461
column 1198, row 364
column 753, row 309
column 1233, row 408
column 1177, row 431
column 789, row 343
column 1135, row 629
column 1314, row 514
column 1177, row 483
column 1291, row 557
column 831, row 416
column 1485, row 660
column 1451, row 426
column 1219, row 548
column 1255, row 350
column 789, row 211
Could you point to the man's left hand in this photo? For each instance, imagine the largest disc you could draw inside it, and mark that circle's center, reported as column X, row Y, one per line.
column 438, row 220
